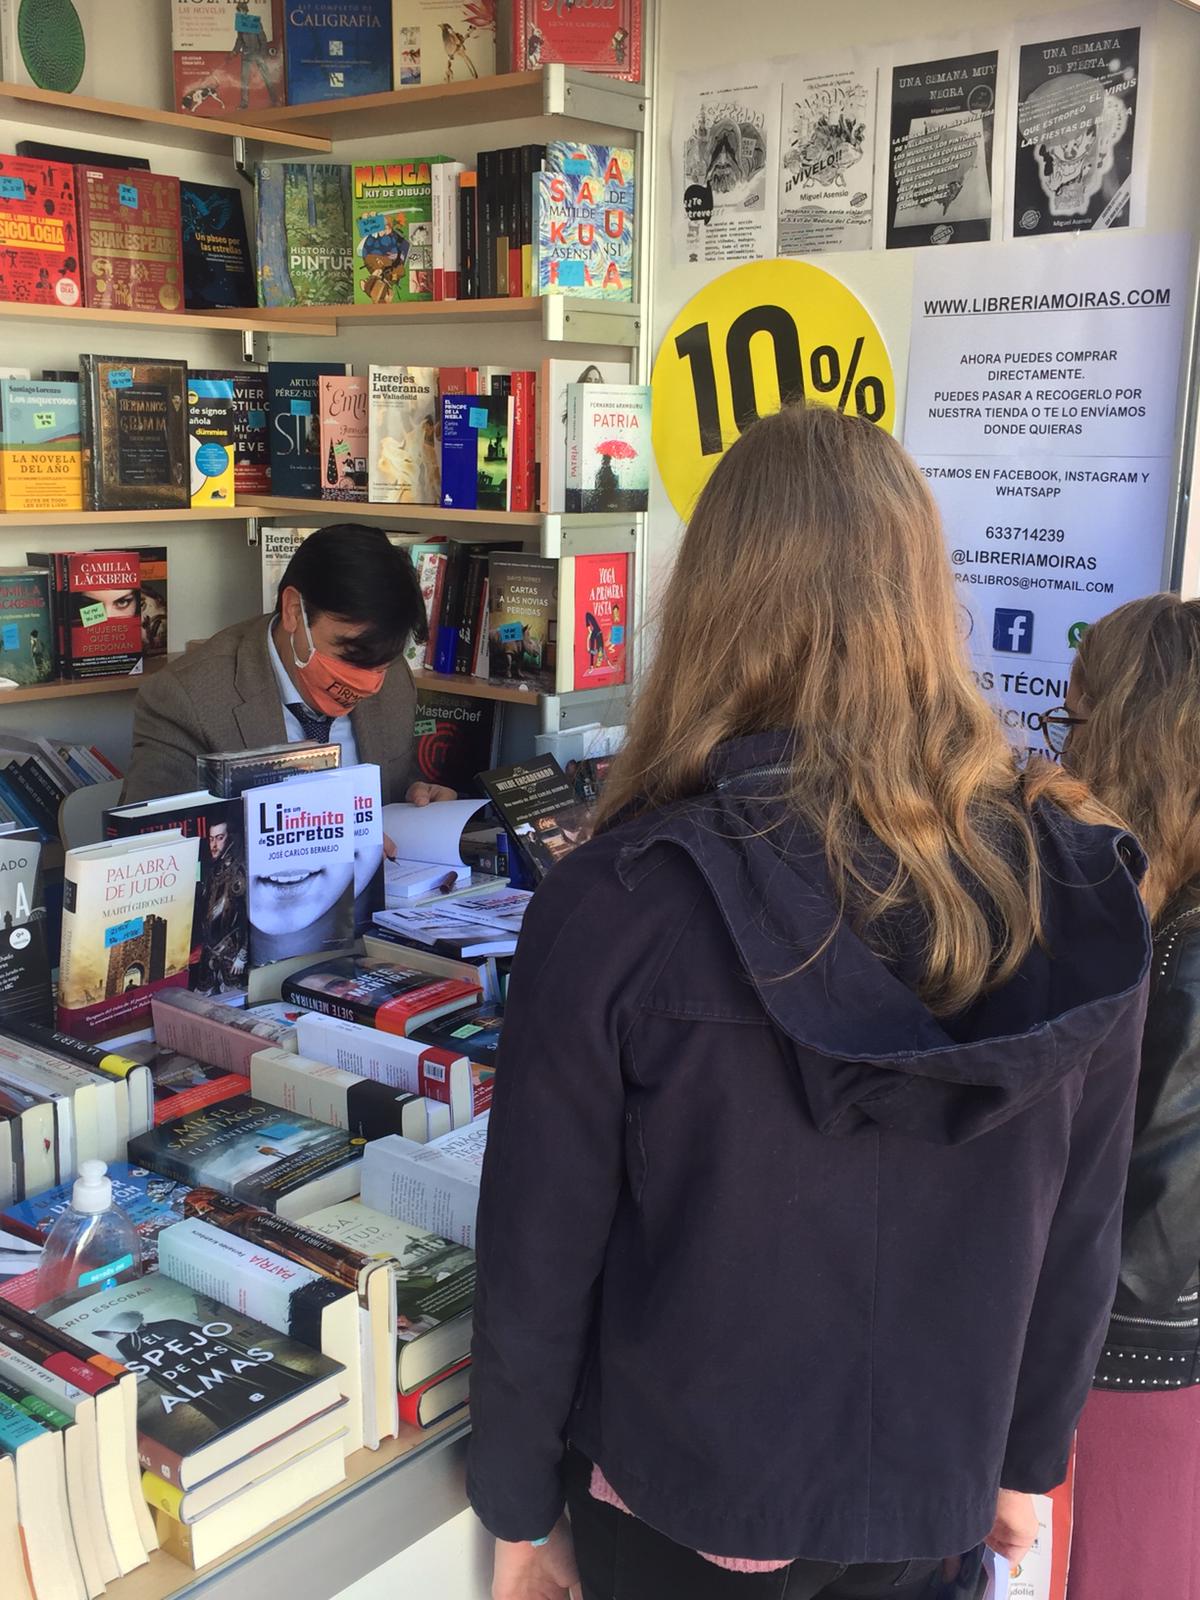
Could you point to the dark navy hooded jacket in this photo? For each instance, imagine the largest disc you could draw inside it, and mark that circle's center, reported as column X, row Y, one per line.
column 807, row 1270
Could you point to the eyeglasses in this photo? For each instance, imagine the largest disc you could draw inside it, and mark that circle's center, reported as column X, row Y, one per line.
column 1057, row 726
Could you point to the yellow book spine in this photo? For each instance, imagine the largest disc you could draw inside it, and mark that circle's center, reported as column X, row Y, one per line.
column 163, row 1496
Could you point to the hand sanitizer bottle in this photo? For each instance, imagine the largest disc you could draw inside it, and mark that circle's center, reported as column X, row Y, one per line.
column 92, row 1244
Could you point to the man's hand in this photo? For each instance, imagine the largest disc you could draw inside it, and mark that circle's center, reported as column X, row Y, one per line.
column 548, row 1573
column 1015, row 1528
column 427, row 794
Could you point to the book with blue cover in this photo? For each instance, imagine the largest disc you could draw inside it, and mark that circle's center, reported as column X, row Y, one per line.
column 337, row 51
column 475, row 434
column 293, row 422
column 217, row 269
column 583, row 233
column 151, row 1203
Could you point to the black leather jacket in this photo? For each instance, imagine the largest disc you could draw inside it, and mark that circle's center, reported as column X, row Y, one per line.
column 1154, row 1336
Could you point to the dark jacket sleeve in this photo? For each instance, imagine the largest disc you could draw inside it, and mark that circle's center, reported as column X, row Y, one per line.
column 1161, row 1230
column 167, row 738
column 552, row 1176
column 1079, row 1271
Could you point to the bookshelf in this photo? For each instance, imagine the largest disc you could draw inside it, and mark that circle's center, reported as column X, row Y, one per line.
column 563, row 319
column 95, row 519
column 72, row 689
column 245, row 322
column 399, row 513
column 475, row 688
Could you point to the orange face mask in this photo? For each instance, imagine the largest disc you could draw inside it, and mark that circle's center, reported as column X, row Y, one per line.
column 334, row 687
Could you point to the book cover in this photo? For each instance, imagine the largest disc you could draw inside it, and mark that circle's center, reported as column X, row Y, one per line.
column 47, row 43
column 135, row 441
column 130, row 239
column 600, row 619
column 25, row 992
column 217, row 269
column 305, row 249
column 556, row 376
column 393, row 230
column 101, row 600
column 127, row 931
column 523, row 620
column 338, row 51
column 403, row 435
column 342, row 1099
column 277, row 546
column 152, row 598
column 462, row 417
column 390, row 1060
column 608, row 447
column 39, row 242
column 605, row 39
column 210, row 440
column 251, row 438
column 376, row 994
column 257, row 1153
column 442, row 41
column 431, row 574
column 293, row 418
column 232, row 772
column 40, row 455
column 150, row 1202
column 583, row 241
column 456, row 738
column 183, row 1085
column 476, row 1033
column 208, row 1375
column 537, row 803
column 434, row 1186
column 344, row 438
column 300, row 865
column 26, row 641
column 220, row 927
column 228, row 56
column 210, row 1030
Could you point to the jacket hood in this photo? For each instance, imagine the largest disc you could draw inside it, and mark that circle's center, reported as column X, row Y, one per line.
column 869, row 1051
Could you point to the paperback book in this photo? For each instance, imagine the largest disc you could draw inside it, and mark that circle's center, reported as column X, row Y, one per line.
column 151, row 1203
column 26, row 640
column 333, row 53
column 556, row 375
column 608, row 447
column 605, row 39
column 305, row 255
column 300, row 866
column 25, row 992
column 39, row 244
column 538, row 806
column 210, row 440
column 403, row 436
column 39, row 445
column 344, row 438
column 523, row 620
column 127, row 931
column 376, row 994
column 434, row 1185
column 393, row 230
column 130, row 237
column 600, row 617
column 456, row 738
column 228, row 56
column 583, row 224
column 277, row 546
column 475, row 432
column 153, row 598
column 99, row 594
column 251, row 439
column 133, row 417
column 442, row 41
column 217, row 268
column 293, row 415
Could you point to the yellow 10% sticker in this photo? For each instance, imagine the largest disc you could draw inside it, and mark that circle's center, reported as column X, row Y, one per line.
column 756, row 338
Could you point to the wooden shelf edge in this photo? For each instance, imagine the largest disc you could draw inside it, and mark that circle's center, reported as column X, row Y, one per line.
column 405, row 511
column 68, row 689
column 475, row 688
column 303, row 319
column 319, row 119
column 248, row 321
column 85, row 518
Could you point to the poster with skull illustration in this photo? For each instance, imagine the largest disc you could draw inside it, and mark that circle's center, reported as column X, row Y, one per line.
column 725, row 159
column 1077, row 160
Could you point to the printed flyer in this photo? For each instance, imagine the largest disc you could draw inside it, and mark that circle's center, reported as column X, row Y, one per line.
column 724, row 161
column 827, row 157
column 1075, row 165
column 941, row 148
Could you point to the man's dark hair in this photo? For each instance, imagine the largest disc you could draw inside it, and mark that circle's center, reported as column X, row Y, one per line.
column 355, row 573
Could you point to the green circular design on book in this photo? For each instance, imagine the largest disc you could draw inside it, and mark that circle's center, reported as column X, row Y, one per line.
column 50, row 36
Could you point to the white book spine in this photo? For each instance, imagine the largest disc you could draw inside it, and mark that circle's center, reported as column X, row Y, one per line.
column 247, row 1277
column 296, row 1083
column 426, row 1194
column 437, row 201
column 387, row 1058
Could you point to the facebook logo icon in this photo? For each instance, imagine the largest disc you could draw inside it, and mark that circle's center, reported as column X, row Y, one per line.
column 1012, row 632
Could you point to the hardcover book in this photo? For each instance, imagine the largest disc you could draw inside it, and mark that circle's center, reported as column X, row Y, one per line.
column 583, row 223
column 130, row 239
column 25, row 993
column 391, row 1061
column 608, row 447
column 285, row 1163
column 26, row 640
column 403, row 436
column 210, row 1030
column 605, row 39
column 293, row 415
column 393, row 230
column 476, row 1032
column 523, row 620
column 135, row 442
column 300, row 864
column 537, row 803
column 475, row 452
column 101, row 606
column 39, row 445
column 228, row 56
column 552, row 420
column 305, row 250
column 599, row 620
column 127, row 931
column 335, row 52
column 231, row 772
column 344, row 438
column 376, row 994
column 456, row 738
column 39, row 241
column 46, row 43
column 217, row 269
column 210, row 440
column 251, row 438
column 212, row 1383
column 442, row 41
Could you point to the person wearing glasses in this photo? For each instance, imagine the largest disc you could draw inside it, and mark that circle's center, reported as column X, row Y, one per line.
column 1131, row 731
column 797, row 1242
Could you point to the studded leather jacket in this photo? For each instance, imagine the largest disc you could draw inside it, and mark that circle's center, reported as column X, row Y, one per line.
column 1154, row 1336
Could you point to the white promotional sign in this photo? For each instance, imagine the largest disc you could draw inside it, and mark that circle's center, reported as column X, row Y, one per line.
column 1042, row 392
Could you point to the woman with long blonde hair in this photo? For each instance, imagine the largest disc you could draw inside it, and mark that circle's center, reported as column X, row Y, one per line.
column 800, row 1209
column 1131, row 729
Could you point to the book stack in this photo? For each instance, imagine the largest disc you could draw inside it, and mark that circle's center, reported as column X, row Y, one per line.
column 95, row 612
column 36, row 775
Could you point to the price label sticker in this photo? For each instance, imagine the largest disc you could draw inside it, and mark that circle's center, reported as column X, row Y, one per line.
column 341, row 448
column 425, row 728
column 12, row 188
column 510, row 633
column 255, row 418
column 122, row 932
column 91, row 615
column 10, row 636
column 467, row 1031
column 121, row 378
column 572, row 274
column 43, row 420
column 756, row 338
column 301, row 408
column 128, row 196
column 477, row 417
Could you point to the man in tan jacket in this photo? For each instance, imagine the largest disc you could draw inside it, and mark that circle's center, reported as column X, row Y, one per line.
column 327, row 665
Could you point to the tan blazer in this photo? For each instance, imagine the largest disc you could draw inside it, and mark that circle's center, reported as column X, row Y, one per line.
column 223, row 696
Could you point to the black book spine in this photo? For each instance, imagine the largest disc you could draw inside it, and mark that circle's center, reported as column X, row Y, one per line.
column 506, row 194
column 533, row 158
column 464, row 655
column 468, row 242
column 486, row 235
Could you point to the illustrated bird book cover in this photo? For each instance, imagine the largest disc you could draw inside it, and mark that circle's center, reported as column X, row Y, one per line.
column 442, row 41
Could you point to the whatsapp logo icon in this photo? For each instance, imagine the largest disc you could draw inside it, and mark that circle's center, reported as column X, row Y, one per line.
column 1075, row 633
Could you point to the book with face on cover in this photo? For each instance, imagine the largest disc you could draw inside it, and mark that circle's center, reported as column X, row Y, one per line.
column 300, row 866
column 539, row 808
